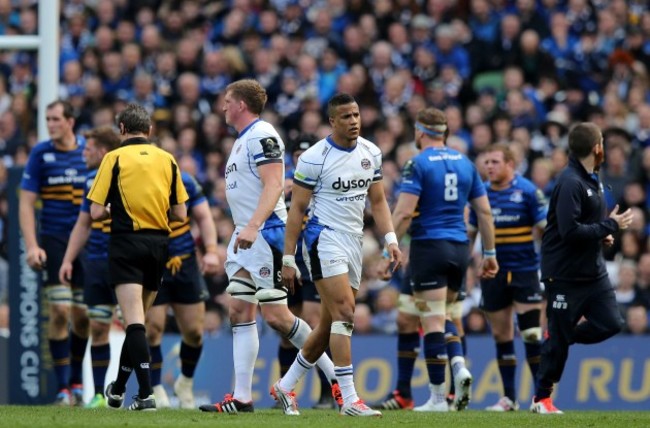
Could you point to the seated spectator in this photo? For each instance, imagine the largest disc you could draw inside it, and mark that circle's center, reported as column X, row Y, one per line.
column 636, row 322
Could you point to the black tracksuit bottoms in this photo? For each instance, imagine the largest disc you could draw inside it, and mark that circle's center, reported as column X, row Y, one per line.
column 567, row 303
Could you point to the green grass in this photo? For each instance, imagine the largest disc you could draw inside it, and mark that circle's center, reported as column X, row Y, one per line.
column 53, row 417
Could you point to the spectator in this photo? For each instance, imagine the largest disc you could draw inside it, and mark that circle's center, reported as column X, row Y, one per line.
column 637, row 321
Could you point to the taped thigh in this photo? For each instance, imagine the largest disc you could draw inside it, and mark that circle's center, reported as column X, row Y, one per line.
column 78, row 298
column 271, row 296
column 101, row 313
column 243, row 289
column 455, row 310
column 59, row 294
column 429, row 308
column 406, row 304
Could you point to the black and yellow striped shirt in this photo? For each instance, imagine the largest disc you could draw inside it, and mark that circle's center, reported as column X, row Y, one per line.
column 141, row 182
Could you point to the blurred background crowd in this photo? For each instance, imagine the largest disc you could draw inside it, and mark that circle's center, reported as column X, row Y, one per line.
column 515, row 71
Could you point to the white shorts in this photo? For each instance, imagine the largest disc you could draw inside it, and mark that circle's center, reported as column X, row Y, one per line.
column 333, row 253
column 263, row 261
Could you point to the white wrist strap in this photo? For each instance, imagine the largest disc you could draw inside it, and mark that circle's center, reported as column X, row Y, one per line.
column 390, row 238
column 290, row 261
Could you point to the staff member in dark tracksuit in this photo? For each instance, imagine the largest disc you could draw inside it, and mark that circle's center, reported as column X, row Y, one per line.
column 573, row 267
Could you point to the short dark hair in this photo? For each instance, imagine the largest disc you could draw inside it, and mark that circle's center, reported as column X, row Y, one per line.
column 303, row 142
column 582, row 139
column 104, row 136
column 250, row 92
column 338, row 100
column 135, row 119
column 68, row 110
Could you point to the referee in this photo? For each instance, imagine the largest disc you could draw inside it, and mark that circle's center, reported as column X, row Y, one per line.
column 573, row 267
column 137, row 185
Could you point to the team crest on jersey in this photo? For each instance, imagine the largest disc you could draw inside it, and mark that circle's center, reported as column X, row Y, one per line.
column 407, row 170
column 365, row 163
column 517, row 197
column 265, row 272
column 271, row 148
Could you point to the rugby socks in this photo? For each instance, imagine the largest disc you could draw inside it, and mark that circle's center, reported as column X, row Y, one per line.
column 246, row 345
column 101, row 357
column 344, row 375
column 136, row 340
column 454, row 347
column 435, row 354
column 298, row 335
column 60, row 350
column 156, row 364
column 189, row 358
column 507, row 361
column 408, row 349
column 286, row 356
column 77, row 350
column 533, row 357
column 297, row 371
column 124, row 371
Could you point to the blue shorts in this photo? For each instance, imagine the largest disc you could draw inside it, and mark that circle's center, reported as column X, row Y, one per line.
column 306, row 292
column 508, row 287
column 407, row 289
column 438, row 263
column 97, row 284
column 186, row 287
column 54, row 247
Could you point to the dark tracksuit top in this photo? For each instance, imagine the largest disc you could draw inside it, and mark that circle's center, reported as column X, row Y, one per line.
column 577, row 223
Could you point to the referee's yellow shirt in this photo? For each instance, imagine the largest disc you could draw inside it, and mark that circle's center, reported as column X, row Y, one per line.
column 141, row 182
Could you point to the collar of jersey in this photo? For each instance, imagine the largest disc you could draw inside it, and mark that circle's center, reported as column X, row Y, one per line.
column 134, row 140
column 243, row 131
column 336, row 146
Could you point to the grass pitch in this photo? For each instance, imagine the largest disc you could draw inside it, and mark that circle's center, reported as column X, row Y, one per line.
column 54, row 417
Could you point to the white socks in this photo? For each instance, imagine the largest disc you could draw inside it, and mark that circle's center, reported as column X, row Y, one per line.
column 298, row 336
column 346, row 383
column 298, row 369
column 245, row 345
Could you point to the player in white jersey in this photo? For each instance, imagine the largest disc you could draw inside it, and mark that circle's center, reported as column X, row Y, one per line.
column 254, row 187
column 339, row 173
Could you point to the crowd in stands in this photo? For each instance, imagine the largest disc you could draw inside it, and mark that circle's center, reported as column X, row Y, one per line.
column 515, row 71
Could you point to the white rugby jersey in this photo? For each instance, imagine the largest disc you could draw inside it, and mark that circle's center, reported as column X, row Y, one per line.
column 340, row 179
column 257, row 144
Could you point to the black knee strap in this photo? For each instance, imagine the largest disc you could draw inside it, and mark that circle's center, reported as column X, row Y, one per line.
column 529, row 319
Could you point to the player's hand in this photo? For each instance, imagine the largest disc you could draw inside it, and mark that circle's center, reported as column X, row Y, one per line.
column 65, row 273
column 394, row 259
column 383, row 269
column 489, row 267
column 623, row 219
column 290, row 273
column 245, row 238
column 210, row 263
column 36, row 258
column 608, row 241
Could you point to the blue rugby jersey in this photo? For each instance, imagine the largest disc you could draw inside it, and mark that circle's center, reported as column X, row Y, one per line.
column 516, row 210
column 59, row 178
column 445, row 181
column 100, row 232
column 181, row 240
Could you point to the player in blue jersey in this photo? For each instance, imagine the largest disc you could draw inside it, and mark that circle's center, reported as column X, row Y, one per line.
column 56, row 172
column 437, row 185
column 519, row 210
column 184, row 289
column 94, row 235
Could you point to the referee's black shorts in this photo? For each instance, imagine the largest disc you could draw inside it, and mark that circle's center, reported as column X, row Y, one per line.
column 138, row 258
